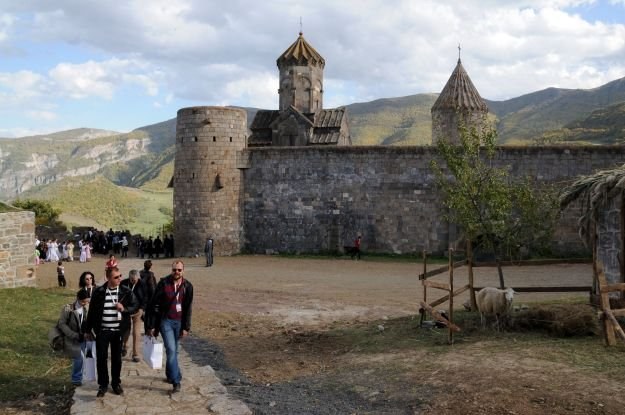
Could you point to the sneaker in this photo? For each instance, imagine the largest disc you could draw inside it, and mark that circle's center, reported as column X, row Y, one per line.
column 117, row 390
column 176, row 388
column 101, row 392
column 77, row 384
column 136, row 359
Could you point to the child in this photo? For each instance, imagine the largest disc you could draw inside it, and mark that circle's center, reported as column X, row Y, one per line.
column 60, row 273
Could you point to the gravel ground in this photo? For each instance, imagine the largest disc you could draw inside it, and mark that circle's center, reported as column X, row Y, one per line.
column 315, row 395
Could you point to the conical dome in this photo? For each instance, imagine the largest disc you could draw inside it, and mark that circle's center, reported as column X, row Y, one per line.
column 459, row 93
column 301, row 53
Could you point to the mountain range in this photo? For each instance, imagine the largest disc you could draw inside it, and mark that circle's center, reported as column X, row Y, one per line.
column 46, row 166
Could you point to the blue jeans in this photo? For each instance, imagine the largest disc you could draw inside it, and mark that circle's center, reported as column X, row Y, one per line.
column 170, row 330
column 77, row 364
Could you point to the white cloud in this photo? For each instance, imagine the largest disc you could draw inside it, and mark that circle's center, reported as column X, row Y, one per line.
column 6, row 23
column 210, row 52
column 260, row 90
column 101, row 79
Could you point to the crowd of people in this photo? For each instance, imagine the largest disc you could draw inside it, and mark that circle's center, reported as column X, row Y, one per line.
column 94, row 241
column 116, row 314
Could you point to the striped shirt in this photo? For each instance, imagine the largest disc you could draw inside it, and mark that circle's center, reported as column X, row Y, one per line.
column 111, row 318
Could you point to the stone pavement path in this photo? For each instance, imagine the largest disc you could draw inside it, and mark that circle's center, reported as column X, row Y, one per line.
column 146, row 393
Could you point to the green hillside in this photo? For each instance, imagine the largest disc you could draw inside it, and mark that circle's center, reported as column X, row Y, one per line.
column 523, row 119
column 603, row 126
column 392, row 121
column 96, row 201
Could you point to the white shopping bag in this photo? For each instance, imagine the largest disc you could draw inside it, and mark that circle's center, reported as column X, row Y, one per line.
column 89, row 371
column 153, row 352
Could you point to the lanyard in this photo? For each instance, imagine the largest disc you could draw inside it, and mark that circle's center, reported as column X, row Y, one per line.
column 115, row 298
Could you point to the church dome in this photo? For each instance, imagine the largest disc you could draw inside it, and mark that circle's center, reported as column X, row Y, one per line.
column 459, row 93
column 301, row 53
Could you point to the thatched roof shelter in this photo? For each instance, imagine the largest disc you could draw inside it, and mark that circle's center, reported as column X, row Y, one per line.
column 602, row 219
column 595, row 193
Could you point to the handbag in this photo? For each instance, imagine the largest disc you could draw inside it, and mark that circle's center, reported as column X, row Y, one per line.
column 56, row 338
column 89, row 362
column 153, row 352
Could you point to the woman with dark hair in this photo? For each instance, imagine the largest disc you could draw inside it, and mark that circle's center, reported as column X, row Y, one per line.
column 86, row 282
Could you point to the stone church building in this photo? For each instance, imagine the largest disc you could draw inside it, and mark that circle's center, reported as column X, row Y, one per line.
column 297, row 185
column 301, row 119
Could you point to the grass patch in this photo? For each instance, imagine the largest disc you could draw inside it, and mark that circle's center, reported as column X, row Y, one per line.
column 28, row 367
column 7, row 208
column 585, row 351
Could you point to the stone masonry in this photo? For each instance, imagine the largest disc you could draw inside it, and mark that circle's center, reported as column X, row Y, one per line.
column 17, row 249
column 207, row 183
column 318, row 199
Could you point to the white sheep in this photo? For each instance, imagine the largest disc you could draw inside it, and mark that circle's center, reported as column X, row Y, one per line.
column 491, row 300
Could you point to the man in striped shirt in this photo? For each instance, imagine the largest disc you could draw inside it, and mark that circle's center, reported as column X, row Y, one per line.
column 107, row 320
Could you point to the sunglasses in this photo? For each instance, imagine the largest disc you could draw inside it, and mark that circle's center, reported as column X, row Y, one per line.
column 116, row 277
column 177, row 269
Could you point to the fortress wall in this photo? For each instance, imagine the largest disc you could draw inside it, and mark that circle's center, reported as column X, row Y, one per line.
column 17, row 249
column 315, row 199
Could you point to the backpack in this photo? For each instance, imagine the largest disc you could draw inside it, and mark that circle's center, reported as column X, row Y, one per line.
column 56, row 338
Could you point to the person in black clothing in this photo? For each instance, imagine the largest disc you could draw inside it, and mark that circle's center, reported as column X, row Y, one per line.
column 109, row 316
column 148, row 249
column 136, row 286
column 158, row 246
column 148, row 280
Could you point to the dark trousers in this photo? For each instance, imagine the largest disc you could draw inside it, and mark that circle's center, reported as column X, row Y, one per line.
column 102, row 342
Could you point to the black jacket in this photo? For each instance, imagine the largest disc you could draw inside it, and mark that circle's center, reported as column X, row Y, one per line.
column 96, row 309
column 139, row 291
column 159, row 305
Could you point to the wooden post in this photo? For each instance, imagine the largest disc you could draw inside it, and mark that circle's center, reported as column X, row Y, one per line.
column 425, row 288
column 451, row 293
column 439, row 317
column 595, row 284
column 608, row 325
column 622, row 244
column 470, row 265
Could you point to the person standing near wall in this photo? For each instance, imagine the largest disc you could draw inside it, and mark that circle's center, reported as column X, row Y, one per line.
column 357, row 247
column 169, row 313
column 208, row 251
column 108, row 318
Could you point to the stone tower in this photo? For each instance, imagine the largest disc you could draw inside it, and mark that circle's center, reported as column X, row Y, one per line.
column 458, row 104
column 207, row 183
column 301, row 77
column 301, row 119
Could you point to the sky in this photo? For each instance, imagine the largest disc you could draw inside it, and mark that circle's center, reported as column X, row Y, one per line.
column 118, row 66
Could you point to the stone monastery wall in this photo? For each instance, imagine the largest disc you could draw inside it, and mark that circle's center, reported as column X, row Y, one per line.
column 315, row 199
column 17, row 249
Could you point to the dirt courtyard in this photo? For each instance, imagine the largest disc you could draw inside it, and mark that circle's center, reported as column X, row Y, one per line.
column 270, row 317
